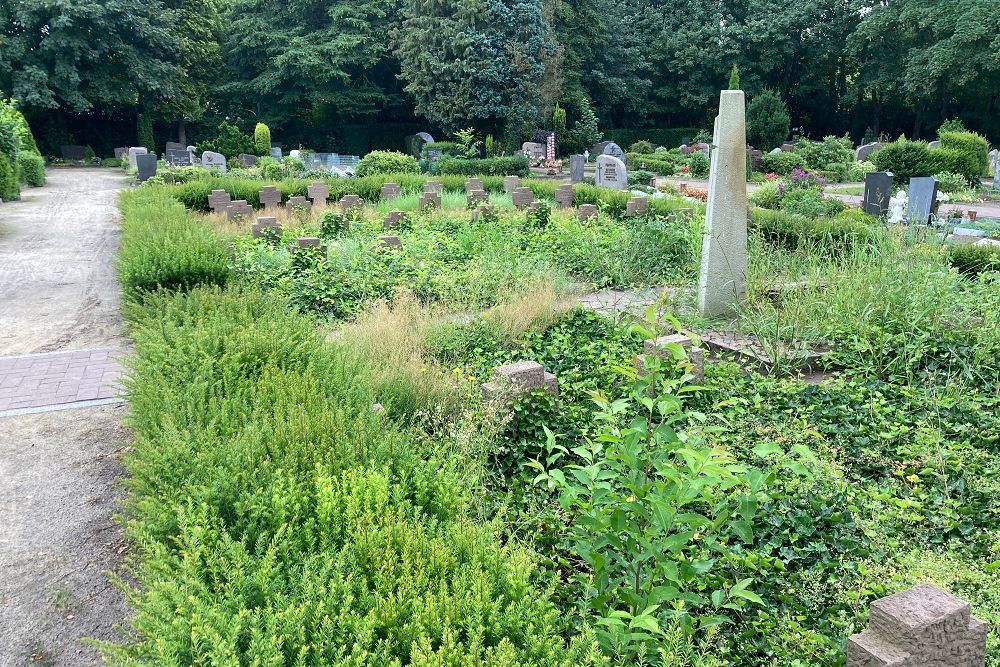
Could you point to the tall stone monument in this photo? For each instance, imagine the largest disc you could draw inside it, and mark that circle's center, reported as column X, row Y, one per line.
column 722, row 281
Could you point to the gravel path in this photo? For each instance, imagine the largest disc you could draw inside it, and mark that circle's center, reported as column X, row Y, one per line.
column 59, row 471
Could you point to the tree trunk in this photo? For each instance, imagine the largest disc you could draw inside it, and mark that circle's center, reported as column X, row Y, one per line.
column 182, row 132
column 916, row 121
column 876, row 115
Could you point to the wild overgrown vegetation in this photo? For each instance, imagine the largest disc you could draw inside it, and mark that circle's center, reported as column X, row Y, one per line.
column 349, row 498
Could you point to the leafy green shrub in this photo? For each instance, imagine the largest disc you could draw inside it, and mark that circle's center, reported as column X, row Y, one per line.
column 952, row 125
column 767, row 195
column 642, row 147
column 112, row 162
column 905, row 159
column 653, row 163
column 949, row 182
column 810, row 203
column 262, row 139
column 671, row 137
column 826, row 234
column 820, row 154
column 10, row 185
column 856, row 170
column 271, row 169
column 952, row 160
column 782, row 163
column 835, row 172
column 231, row 142
column 767, row 121
column 32, row 168
column 971, row 260
column 515, row 165
column 699, row 165
column 973, row 146
column 387, row 162
column 9, row 113
column 162, row 248
column 639, row 177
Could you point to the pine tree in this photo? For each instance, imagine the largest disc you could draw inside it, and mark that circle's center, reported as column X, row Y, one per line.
column 734, row 78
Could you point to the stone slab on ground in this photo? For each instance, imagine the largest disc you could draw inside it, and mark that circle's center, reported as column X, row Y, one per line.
column 749, row 352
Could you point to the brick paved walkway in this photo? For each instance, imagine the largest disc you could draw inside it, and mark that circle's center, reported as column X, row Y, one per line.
column 59, row 380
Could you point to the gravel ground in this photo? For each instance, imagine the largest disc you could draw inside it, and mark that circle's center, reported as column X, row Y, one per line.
column 60, row 474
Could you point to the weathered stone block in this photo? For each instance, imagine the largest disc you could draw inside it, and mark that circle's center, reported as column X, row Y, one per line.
column 586, row 212
column 318, row 192
column 298, row 202
column 270, row 197
column 920, row 627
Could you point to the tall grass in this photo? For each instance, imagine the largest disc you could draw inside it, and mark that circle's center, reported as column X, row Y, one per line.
column 894, row 310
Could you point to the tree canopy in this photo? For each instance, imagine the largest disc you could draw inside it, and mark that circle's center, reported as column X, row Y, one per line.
column 319, row 72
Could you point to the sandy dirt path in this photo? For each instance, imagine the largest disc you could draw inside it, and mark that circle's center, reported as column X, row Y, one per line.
column 60, row 475
column 58, row 288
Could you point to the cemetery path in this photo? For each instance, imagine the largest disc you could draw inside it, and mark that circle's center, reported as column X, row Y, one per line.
column 57, row 279
column 59, row 463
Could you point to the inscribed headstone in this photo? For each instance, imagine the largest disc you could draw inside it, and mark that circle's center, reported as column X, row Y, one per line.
column 146, row 164
column 576, row 166
column 922, row 196
column 611, row 173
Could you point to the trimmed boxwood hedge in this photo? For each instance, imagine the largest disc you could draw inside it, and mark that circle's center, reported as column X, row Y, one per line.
column 516, row 165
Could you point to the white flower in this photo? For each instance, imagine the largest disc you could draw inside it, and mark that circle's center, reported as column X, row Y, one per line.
column 943, row 196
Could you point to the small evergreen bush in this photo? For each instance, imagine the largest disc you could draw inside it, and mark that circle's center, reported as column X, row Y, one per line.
column 905, row 159
column 262, row 139
column 32, row 167
column 767, row 121
column 971, row 260
column 782, row 163
column 974, row 147
column 386, row 162
column 642, row 147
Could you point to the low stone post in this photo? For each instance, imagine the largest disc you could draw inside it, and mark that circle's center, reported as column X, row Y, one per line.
column 921, row 627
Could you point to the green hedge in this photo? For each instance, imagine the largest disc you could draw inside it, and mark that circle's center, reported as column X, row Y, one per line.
column 972, row 146
column 10, row 182
column 971, row 260
column 387, row 162
column 653, row 163
column 516, row 165
column 163, row 248
column 830, row 234
column 782, row 163
column 671, row 137
column 32, row 167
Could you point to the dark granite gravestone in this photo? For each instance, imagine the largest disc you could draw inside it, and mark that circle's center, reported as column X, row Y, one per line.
column 270, row 197
column 121, row 152
column 878, row 190
column 178, row 157
column 146, row 164
column 174, row 146
column 922, row 196
column 73, row 152
column 247, row 160
column 576, row 166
